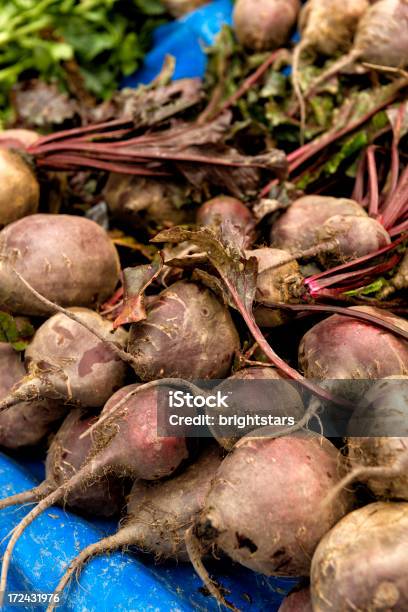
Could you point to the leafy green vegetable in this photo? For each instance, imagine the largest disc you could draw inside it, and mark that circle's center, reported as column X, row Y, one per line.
column 12, row 333
column 106, row 38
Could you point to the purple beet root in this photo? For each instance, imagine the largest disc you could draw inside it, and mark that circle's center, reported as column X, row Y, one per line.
column 125, row 444
column 265, row 25
column 103, row 497
column 256, row 392
column 373, row 539
column 230, row 214
column 297, row 601
column 180, row 338
column 26, row 423
column 158, row 515
column 68, row 259
column 296, row 229
column 67, row 362
column 284, row 479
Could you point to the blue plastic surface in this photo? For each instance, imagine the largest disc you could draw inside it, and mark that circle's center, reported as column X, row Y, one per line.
column 185, row 39
column 119, row 581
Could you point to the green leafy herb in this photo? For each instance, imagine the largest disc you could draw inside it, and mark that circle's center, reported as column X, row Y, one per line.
column 14, row 334
column 107, row 39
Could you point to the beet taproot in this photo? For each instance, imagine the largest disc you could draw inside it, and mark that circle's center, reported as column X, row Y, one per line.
column 342, row 348
column 68, row 259
column 362, row 563
column 26, row 423
column 381, row 38
column 19, row 191
column 187, row 334
column 327, row 27
column 67, row 362
column 158, row 515
column 378, row 438
column 264, row 25
column 264, row 507
column 67, row 453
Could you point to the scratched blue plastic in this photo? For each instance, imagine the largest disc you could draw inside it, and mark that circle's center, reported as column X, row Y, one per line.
column 119, row 581
column 186, row 40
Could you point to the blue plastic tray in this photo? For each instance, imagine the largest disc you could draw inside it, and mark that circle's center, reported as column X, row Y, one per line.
column 119, row 581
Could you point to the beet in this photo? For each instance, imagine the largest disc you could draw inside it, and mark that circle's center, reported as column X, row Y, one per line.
column 18, row 138
column 225, row 210
column 180, row 338
column 340, row 349
column 327, row 27
column 298, row 227
column 274, row 284
column 249, row 394
column 67, row 259
column 297, row 601
column 264, row 507
column 381, row 38
column 142, row 200
column 20, row 191
column 158, row 515
column 265, row 25
column 125, row 445
column 355, row 237
column 362, row 563
column 67, row 362
column 382, row 418
column 102, row 497
column 27, row 423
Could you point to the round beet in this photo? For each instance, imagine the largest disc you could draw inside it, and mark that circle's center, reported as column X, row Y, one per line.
column 105, row 495
column 19, row 189
column 65, row 361
column 355, row 237
column 328, row 26
column 26, row 423
column 251, row 392
column 362, row 563
column 381, row 38
column 187, row 334
column 68, row 259
column 274, row 284
column 382, row 418
column 228, row 211
column 341, row 347
column 265, row 25
column 297, row 228
column 142, row 200
column 297, row 601
column 264, row 509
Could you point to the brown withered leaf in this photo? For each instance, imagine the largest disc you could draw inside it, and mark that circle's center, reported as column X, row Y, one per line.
column 40, row 104
column 135, row 282
column 148, row 106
